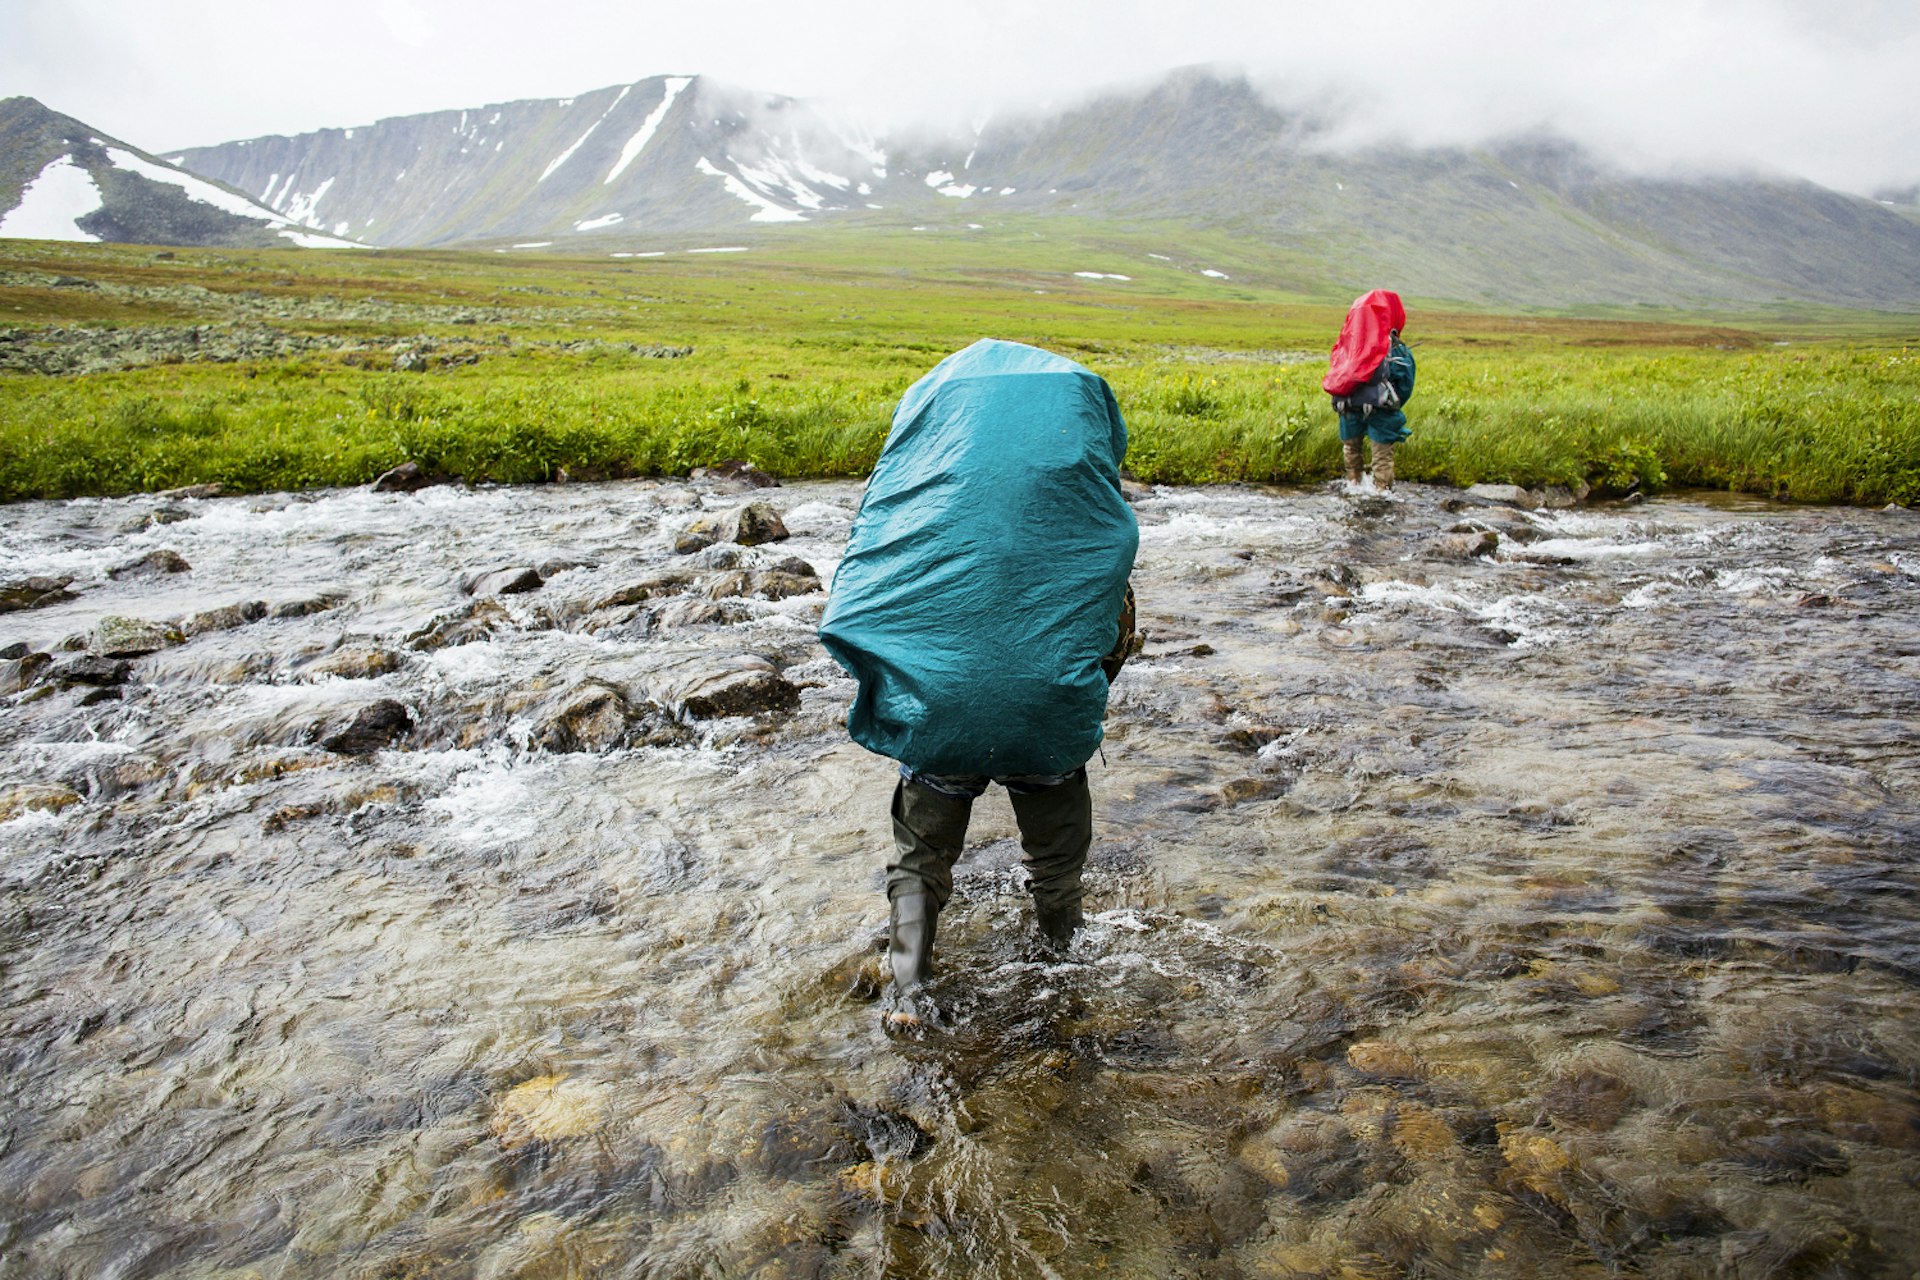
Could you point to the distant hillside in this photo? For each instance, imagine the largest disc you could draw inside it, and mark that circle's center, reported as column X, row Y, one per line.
column 60, row 180
column 1534, row 222
column 668, row 154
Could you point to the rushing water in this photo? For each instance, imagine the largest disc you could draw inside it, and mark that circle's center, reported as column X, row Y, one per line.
column 1543, row 913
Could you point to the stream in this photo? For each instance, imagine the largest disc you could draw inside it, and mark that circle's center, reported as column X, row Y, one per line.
column 469, row 883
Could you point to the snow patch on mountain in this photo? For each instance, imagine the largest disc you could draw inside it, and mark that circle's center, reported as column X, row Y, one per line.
column 566, row 155
column 52, row 204
column 769, row 211
column 638, row 142
column 594, row 224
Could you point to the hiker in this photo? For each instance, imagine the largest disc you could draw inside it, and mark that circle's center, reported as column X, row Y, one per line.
column 984, row 608
column 1369, row 376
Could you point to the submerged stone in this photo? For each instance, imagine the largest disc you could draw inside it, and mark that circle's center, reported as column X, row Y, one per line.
column 36, row 798
column 505, row 582
column 152, row 565
column 547, row 1109
column 357, row 662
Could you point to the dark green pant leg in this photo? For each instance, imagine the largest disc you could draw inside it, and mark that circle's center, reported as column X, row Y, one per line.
column 929, row 831
column 1056, row 830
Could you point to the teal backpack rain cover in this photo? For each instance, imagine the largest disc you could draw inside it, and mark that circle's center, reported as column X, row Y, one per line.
column 986, row 568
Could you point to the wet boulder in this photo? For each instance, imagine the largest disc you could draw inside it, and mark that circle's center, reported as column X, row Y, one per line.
column 33, row 593
column 154, row 564
column 706, row 688
column 192, row 491
column 693, row 612
column 225, row 618
column 405, row 478
column 757, row 523
column 668, row 582
column 592, row 716
column 512, row 580
column 307, row 605
column 738, row 471
column 770, row 584
column 117, row 637
column 373, row 728
column 1559, row 497
column 99, row 671
column 1462, row 546
column 477, row 621
column 356, row 662
column 22, row 672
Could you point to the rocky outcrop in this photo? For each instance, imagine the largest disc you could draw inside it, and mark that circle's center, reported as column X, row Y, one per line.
column 34, row 593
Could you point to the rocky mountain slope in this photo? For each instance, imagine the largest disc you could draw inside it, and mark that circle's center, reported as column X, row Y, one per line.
column 673, row 159
column 60, row 180
column 668, row 154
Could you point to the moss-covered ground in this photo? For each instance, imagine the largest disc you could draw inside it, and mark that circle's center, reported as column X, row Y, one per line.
column 802, row 344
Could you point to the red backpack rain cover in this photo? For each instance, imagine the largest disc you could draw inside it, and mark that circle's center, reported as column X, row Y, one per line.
column 1364, row 340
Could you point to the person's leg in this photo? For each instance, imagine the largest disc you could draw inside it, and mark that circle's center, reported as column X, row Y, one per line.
column 1382, row 465
column 1056, row 830
column 1350, row 451
column 929, row 831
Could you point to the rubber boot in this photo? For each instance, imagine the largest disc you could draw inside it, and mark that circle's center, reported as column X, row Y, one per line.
column 1056, row 830
column 1382, row 466
column 910, row 929
column 1350, row 451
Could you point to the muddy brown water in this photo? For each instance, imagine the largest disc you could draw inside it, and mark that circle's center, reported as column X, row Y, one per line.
column 1547, row 912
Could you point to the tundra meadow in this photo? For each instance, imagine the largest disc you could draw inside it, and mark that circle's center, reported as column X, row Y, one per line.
column 125, row 368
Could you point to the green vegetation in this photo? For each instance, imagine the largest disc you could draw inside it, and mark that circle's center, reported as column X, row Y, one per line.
column 801, row 347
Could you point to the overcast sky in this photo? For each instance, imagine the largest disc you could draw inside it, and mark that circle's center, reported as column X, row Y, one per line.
column 1820, row 88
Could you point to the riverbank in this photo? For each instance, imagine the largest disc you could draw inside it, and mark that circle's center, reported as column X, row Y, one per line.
column 127, row 371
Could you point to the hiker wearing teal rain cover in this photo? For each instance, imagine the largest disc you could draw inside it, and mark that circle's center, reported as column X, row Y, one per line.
column 983, row 607
column 1369, row 376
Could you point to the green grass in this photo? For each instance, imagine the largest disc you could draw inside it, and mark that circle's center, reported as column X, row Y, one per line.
column 802, row 347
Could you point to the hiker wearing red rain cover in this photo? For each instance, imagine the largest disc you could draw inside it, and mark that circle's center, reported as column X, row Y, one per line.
column 1369, row 376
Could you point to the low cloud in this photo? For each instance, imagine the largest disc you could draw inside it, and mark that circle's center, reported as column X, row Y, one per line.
column 1819, row 88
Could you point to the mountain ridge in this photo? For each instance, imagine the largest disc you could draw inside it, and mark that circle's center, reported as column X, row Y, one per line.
column 667, row 160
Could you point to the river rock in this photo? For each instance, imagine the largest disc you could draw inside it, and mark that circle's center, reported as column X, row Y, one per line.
column 694, row 612
column 736, row 470
column 705, row 688
column 22, row 672
column 505, row 582
column 592, row 716
column 1537, row 1162
column 308, row 605
column 1587, row 1099
column 405, row 478
column 92, row 669
column 477, row 621
column 356, row 662
column 670, row 582
column 1559, row 497
column 117, row 637
column 697, row 536
column 152, row 565
column 225, row 618
column 35, row 798
column 1462, row 546
column 796, row 566
column 1511, row 495
column 195, row 491
column 757, row 523
column 765, row 584
column 1384, row 1058
column 34, row 593
column 376, row 726
column 1309, row 1154
column 547, row 1109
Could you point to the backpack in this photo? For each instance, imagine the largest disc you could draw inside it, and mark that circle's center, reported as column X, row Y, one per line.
column 1376, row 392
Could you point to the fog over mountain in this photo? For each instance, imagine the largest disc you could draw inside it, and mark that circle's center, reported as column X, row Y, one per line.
column 1532, row 219
column 1819, row 89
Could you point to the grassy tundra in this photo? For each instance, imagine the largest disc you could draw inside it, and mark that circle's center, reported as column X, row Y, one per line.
column 276, row 369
